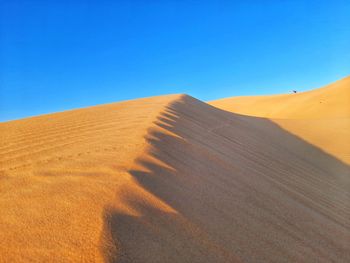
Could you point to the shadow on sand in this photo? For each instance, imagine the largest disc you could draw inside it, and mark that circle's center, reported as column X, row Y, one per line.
column 244, row 190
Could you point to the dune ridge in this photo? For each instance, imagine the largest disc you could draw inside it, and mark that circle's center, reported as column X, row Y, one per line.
column 331, row 101
column 169, row 179
column 233, row 202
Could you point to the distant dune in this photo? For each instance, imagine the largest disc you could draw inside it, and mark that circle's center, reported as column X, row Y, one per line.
column 321, row 116
column 174, row 179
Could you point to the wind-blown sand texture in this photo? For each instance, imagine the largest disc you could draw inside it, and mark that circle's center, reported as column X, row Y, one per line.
column 173, row 179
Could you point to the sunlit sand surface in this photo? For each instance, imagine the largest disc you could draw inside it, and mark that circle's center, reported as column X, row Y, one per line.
column 321, row 116
column 174, row 179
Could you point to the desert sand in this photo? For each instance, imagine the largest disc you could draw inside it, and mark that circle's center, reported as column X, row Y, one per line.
column 320, row 116
column 174, row 179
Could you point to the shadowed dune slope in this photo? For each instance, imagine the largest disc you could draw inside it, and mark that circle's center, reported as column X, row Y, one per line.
column 222, row 187
column 320, row 116
column 168, row 179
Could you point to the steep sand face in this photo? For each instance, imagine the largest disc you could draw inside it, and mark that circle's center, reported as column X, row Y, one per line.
column 321, row 116
column 168, row 179
column 237, row 189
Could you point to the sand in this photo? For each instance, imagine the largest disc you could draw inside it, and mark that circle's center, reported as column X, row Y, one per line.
column 174, row 179
column 320, row 116
column 59, row 172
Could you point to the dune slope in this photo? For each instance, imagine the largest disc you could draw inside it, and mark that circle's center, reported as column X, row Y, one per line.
column 331, row 101
column 168, row 179
column 320, row 116
column 57, row 173
column 236, row 189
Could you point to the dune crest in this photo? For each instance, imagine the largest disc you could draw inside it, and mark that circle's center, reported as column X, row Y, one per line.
column 242, row 188
column 331, row 101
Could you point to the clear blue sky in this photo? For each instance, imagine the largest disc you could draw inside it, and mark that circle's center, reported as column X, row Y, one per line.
column 58, row 55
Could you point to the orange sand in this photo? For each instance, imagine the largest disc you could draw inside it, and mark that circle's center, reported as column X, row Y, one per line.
column 173, row 179
column 320, row 116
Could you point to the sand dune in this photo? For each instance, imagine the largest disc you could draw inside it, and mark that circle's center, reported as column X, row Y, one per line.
column 173, row 179
column 331, row 101
column 320, row 116
column 59, row 171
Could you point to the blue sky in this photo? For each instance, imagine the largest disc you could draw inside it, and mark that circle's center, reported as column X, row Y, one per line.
column 59, row 55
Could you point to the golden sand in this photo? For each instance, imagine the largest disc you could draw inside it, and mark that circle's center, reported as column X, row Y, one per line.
column 173, row 179
column 320, row 116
